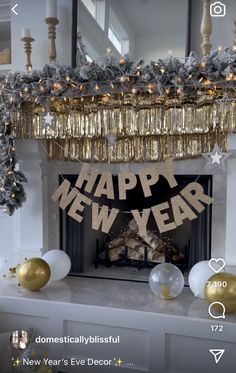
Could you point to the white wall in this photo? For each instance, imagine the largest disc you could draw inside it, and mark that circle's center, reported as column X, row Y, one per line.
column 32, row 14
column 168, row 32
column 223, row 27
column 95, row 37
column 150, row 49
column 24, row 230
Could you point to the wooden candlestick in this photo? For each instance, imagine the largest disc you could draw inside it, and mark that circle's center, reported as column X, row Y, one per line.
column 206, row 28
column 52, row 23
column 28, row 50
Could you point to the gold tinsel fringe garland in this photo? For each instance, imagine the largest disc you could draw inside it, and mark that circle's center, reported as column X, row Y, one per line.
column 126, row 120
column 136, row 148
column 129, row 128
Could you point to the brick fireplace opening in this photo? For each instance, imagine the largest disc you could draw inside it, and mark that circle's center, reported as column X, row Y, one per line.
column 123, row 254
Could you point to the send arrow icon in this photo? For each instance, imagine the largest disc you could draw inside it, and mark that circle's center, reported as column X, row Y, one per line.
column 217, row 354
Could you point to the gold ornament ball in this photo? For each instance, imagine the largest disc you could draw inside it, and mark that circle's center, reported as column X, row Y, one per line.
column 222, row 288
column 34, row 274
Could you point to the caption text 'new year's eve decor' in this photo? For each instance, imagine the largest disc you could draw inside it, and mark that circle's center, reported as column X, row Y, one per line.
column 182, row 205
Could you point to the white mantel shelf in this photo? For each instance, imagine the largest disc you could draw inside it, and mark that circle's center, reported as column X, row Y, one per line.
column 126, row 295
column 153, row 333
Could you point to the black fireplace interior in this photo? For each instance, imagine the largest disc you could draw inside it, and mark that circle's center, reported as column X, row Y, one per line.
column 89, row 249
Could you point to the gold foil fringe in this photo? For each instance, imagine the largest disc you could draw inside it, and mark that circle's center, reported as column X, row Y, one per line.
column 136, row 148
column 145, row 129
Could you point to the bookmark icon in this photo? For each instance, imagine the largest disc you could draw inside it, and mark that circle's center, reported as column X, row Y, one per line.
column 217, row 354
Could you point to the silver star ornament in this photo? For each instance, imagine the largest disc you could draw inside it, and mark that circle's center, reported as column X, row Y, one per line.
column 216, row 158
column 112, row 140
column 48, row 119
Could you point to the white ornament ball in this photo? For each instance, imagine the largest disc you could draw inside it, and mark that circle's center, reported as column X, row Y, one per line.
column 198, row 276
column 59, row 263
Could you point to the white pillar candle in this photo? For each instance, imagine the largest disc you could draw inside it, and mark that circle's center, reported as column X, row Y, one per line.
column 25, row 32
column 51, row 8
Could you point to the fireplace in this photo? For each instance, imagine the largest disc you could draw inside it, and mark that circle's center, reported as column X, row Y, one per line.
column 123, row 254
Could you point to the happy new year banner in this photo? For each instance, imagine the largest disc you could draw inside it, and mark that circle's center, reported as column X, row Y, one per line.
column 186, row 205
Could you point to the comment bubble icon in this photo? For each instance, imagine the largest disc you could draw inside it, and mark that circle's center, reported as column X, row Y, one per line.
column 217, row 310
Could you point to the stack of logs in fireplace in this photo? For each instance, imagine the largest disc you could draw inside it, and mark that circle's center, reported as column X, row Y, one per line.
column 152, row 248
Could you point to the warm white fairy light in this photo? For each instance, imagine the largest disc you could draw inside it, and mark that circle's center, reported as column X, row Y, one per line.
column 230, row 76
column 122, row 61
column 123, row 79
column 150, row 88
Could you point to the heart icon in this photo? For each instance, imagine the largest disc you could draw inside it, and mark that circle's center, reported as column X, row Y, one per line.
column 216, row 264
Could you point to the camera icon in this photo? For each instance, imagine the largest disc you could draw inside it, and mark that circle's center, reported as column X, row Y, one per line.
column 218, row 9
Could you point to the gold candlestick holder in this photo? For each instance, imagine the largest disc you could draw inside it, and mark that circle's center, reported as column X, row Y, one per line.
column 28, row 50
column 52, row 23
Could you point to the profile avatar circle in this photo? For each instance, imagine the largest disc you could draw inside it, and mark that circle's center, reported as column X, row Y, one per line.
column 20, row 339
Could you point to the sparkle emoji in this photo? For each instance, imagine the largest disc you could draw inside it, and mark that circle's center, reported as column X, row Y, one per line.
column 16, row 362
column 118, row 362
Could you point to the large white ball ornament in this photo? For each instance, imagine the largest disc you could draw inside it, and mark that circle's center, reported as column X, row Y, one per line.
column 59, row 263
column 198, row 276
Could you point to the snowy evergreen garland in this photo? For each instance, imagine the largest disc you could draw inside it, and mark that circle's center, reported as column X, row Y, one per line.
column 12, row 193
column 164, row 77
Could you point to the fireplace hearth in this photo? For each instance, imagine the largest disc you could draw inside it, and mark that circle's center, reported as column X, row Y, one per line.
column 123, row 254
